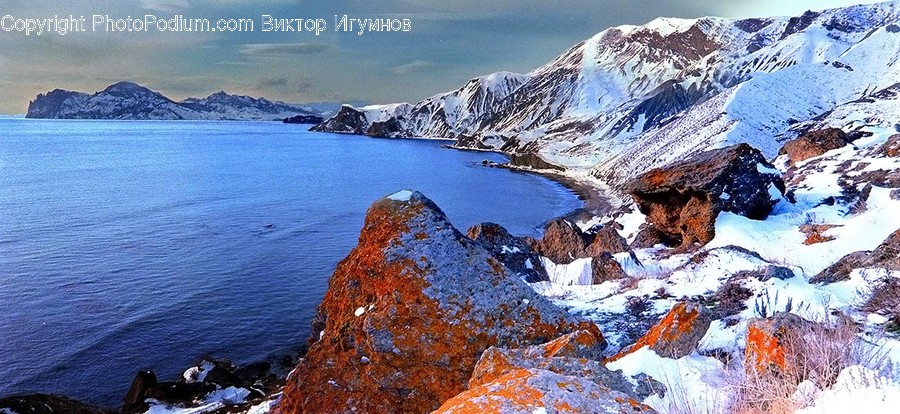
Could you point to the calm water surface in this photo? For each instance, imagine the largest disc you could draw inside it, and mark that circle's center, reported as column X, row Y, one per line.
column 147, row 245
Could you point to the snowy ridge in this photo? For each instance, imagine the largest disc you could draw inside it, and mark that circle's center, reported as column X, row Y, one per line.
column 636, row 97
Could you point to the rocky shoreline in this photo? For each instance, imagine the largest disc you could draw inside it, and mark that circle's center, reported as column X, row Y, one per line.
column 420, row 317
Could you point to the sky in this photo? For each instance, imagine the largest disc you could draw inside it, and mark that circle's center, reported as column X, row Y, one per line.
column 449, row 42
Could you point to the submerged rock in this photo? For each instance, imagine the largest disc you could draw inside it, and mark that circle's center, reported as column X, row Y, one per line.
column 512, row 251
column 683, row 199
column 408, row 313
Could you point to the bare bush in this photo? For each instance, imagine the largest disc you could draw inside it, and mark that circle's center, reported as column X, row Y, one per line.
column 814, row 352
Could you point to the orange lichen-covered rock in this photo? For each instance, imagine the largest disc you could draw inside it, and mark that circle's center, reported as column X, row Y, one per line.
column 408, row 313
column 576, row 355
column 766, row 340
column 528, row 391
column 677, row 334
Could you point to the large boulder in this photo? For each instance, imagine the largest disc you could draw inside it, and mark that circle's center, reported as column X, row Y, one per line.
column 682, row 200
column 815, row 143
column 604, row 268
column 885, row 256
column 677, row 334
column 512, row 251
column 767, row 340
column 564, row 242
column 409, row 312
column 528, row 391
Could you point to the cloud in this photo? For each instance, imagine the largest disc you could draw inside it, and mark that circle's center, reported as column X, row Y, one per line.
column 301, row 85
column 165, row 5
column 416, row 66
column 283, row 49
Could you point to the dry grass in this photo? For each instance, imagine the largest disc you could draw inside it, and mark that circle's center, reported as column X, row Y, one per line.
column 885, row 300
column 814, row 352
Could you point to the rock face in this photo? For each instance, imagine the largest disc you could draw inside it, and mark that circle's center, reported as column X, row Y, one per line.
column 45, row 404
column 682, row 200
column 677, row 334
column 564, row 242
column 348, row 120
column 563, row 375
column 529, row 391
column 604, row 268
column 126, row 100
column 408, row 313
column 815, row 143
column 518, row 256
column 885, row 256
column 766, row 341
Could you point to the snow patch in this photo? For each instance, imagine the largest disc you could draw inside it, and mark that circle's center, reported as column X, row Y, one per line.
column 577, row 273
column 360, row 311
column 402, row 195
column 858, row 389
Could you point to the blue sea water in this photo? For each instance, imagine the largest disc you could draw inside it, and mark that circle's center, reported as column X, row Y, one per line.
column 148, row 245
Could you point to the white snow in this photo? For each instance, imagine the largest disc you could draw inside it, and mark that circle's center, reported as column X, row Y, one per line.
column 214, row 401
column 859, row 390
column 693, row 382
column 402, row 195
column 197, row 373
column 507, row 250
column 763, row 169
column 576, row 273
column 360, row 311
column 7, row 411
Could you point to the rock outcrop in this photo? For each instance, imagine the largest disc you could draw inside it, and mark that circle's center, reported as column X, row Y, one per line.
column 304, row 119
column 408, row 314
column 677, row 334
column 815, row 143
column 45, row 404
column 512, row 251
column 518, row 380
column 604, row 267
column 348, row 120
column 528, row 391
column 682, row 200
column 767, row 339
column 885, row 256
column 564, row 242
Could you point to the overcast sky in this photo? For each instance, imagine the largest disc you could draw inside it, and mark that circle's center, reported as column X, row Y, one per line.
column 450, row 42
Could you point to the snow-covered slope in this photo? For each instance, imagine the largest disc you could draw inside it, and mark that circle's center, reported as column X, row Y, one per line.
column 126, row 100
column 635, row 97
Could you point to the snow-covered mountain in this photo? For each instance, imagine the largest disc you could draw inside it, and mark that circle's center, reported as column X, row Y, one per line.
column 126, row 100
column 635, row 97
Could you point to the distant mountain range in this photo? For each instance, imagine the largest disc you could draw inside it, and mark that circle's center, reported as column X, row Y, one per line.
column 636, row 97
column 126, row 100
